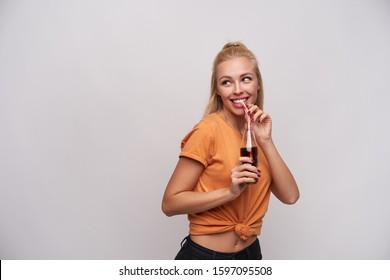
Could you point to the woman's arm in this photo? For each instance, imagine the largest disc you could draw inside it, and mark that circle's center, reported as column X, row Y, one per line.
column 180, row 197
column 283, row 184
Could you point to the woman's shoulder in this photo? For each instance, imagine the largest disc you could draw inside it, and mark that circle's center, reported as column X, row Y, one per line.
column 211, row 120
column 205, row 128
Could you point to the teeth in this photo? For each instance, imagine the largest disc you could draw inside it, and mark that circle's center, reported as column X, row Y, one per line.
column 237, row 101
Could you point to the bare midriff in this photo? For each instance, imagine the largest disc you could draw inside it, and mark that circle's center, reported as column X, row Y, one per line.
column 226, row 242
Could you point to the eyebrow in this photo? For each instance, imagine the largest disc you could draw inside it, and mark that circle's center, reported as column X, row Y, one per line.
column 245, row 74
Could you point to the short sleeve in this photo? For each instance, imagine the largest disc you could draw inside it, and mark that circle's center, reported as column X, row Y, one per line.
column 198, row 144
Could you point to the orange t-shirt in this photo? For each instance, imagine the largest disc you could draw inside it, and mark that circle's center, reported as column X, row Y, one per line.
column 216, row 145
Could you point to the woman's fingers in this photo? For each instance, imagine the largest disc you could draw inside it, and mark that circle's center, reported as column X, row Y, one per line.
column 242, row 174
column 262, row 123
column 243, row 160
column 245, row 170
column 257, row 114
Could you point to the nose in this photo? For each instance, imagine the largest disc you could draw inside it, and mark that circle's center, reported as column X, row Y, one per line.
column 237, row 88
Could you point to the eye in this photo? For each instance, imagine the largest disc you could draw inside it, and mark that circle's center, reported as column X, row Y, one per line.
column 225, row 82
column 246, row 79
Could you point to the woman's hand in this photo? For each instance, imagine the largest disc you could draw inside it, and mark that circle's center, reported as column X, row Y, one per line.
column 243, row 173
column 261, row 123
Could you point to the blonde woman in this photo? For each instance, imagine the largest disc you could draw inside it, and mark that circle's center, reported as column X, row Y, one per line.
column 223, row 194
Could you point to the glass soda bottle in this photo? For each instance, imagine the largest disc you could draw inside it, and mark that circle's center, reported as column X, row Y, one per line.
column 249, row 145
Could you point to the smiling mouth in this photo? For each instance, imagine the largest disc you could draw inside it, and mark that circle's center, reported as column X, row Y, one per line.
column 238, row 101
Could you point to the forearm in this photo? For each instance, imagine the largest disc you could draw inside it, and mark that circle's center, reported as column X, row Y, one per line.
column 283, row 185
column 188, row 202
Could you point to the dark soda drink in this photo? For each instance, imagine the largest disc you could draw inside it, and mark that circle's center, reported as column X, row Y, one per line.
column 252, row 153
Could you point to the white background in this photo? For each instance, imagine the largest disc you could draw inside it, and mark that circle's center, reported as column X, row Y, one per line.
column 95, row 96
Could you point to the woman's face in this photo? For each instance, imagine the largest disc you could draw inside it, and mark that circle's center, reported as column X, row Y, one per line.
column 237, row 81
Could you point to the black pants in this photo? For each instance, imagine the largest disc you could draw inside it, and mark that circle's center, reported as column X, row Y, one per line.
column 193, row 251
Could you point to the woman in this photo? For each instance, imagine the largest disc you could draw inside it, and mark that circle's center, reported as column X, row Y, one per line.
column 225, row 196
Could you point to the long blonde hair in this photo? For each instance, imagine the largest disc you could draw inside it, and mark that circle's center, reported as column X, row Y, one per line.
column 230, row 51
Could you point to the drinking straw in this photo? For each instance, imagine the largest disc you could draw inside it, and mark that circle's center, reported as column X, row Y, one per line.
column 247, row 114
column 248, row 121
